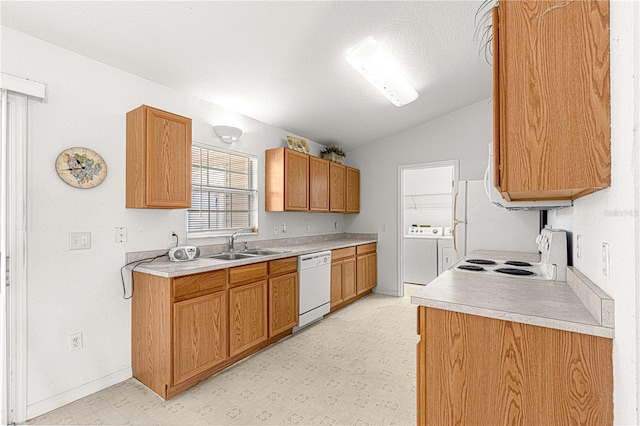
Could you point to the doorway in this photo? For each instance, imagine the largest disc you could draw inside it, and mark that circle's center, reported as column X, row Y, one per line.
column 425, row 213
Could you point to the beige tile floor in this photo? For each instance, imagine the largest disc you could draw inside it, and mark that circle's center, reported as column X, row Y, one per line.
column 356, row 367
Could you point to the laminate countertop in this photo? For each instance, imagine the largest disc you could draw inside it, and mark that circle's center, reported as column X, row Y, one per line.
column 577, row 305
column 163, row 267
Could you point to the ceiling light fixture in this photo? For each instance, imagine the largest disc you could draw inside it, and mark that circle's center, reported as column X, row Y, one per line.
column 370, row 60
column 228, row 134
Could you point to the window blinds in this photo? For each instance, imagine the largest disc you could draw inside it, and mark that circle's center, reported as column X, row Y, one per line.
column 224, row 190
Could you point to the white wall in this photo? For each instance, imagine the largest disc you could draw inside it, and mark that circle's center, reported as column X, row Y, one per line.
column 612, row 215
column 462, row 134
column 80, row 291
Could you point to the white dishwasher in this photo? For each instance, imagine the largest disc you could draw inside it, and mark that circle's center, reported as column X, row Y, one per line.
column 314, row 272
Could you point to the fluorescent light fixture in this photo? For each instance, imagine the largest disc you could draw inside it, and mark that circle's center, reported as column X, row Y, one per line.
column 370, row 60
column 228, row 134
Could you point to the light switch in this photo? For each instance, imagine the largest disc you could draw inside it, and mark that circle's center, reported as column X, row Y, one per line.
column 79, row 240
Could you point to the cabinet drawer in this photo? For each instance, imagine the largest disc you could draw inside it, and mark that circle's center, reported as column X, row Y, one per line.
column 366, row 248
column 198, row 284
column 338, row 254
column 283, row 266
column 246, row 274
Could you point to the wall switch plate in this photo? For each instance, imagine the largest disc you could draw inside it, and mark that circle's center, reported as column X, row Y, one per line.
column 383, row 227
column 79, row 240
column 121, row 235
column 75, row 342
column 579, row 246
column 275, row 229
column 605, row 260
column 308, row 228
column 284, row 228
column 336, row 224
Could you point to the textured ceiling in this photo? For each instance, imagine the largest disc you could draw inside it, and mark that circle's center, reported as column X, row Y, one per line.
column 279, row 62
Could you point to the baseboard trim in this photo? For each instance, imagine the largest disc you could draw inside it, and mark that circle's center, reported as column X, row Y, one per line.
column 64, row 398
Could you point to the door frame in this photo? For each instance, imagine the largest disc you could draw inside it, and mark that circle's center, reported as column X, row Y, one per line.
column 402, row 169
column 14, row 210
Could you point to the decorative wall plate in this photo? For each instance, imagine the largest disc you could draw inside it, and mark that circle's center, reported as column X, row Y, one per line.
column 81, row 167
column 298, row 144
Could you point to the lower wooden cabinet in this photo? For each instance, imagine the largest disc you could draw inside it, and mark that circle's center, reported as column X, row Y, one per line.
column 200, row 335
column 485, row 371
column 185, row 329
column 283, row 303
column 248, row 316
column 351, row 276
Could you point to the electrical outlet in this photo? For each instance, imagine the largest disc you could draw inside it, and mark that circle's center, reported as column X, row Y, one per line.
column 79, row 240
column 275, row 229
column 579, row 246
column 605, row 259
column 383, row 227
column 121, row 235
column 75, row 342
column 308, row 228
column 284, row 228
column 173, row 238
column 336, row 224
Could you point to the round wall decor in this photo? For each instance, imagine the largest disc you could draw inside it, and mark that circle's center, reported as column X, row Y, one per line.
column 81, row 167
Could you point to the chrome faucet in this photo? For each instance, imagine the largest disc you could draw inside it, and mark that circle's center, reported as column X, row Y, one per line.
column 232, row 241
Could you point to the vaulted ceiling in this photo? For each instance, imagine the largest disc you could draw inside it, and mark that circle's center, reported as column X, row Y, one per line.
column 282, row 63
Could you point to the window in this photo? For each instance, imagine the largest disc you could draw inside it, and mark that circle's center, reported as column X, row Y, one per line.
column 224, row 191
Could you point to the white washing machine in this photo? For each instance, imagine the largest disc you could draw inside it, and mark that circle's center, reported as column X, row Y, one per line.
column 420, row 261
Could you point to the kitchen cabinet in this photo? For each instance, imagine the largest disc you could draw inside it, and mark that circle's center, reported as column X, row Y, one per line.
column 318, row 184
column 295, row 181
column 337, row 183
column 551, row 99
column 343, row 276
column 477, row 370
column 366, row 266
column 178, row 329
column 286, row 180
column 247, row 307
column 353, row 274
column 353, row 190
column 158, row 164
column 283, row 295
column 200, row 333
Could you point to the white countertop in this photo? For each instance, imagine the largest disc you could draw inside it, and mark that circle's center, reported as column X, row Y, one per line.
column 165, row 268
column 552, row 304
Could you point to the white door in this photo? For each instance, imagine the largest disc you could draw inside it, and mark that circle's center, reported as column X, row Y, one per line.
column 4, row 386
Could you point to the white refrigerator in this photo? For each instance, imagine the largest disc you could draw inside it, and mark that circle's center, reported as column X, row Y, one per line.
column 483, row 225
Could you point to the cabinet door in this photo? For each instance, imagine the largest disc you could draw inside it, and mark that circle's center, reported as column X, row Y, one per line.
column 199, row 335
column 337, row 183
column 366, row 272
column 554, row 99
column 485, row 371
column 296, row 185
column 318, row 185
column 372, row 270
column 349, row 278
column 168, row 166
column 247, row 316
column 353, row 190
column 283, row 303
column 336, row 283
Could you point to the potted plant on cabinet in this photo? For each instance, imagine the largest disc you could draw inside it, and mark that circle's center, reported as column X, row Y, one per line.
column 333, row 153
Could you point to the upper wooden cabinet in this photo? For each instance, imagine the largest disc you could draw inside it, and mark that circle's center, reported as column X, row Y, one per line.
column 551, row 99
column 158, row 159
column 318, row 184
column 353, row 190
column 337, row 182
column 286, row 180
column 299, row 182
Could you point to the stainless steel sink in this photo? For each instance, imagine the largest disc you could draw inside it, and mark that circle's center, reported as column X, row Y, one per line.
column 231, row 256
column 264, row 252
